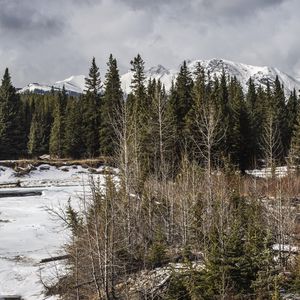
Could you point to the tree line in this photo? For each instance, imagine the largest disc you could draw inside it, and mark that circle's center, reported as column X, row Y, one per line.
column 264, row 122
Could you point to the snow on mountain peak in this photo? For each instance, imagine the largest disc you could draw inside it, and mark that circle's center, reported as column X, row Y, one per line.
column 215, row 66
column 75, row 84
column 159, row 69
column 260, row 75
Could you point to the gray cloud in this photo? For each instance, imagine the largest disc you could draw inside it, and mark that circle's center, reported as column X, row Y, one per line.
column 20, row 18
column 45, row 40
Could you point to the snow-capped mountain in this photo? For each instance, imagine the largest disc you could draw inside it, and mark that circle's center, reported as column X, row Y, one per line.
column 260, row 75
column 215, row 67
column 74, row 85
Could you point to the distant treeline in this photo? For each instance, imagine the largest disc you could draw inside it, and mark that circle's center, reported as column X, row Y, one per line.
column 264, row 123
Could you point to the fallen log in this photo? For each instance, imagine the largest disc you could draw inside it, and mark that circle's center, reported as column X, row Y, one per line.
column 54, row 258
column 19, row 193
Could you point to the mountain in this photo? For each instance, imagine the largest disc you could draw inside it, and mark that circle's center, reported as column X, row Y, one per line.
column 76, row 84
column 215, row 67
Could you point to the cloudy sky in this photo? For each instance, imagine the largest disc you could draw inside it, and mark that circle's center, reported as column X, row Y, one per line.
column 49, row 40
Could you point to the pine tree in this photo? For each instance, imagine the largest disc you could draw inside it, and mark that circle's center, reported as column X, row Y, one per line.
column 292, row 112
column 280, row 114
column 171, row 118
column 57, row 140
column 222, row 104
column 91, row 111
column 252, row 102
column 110, row 108
column 200, row 99
column 295, row 141
column 93, row 82
column 74, row 139
column 184, row 88
column 12, row 135
column 40, row 128
column 138, row 103
column 181, row 101
column 138, row 85
column 33, row 136
column 239, row 127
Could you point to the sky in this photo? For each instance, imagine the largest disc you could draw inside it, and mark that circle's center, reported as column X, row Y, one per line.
column 49, row 40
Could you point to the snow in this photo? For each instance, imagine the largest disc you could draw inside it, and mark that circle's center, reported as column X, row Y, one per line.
column 35, row 87
column 215, row 66
column 74, row 83
column 267, row 172
column 260, row 76
column 28, row 232
column 285, row 248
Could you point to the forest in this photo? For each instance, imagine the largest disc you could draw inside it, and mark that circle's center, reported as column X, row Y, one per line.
column 182, row 201
column 248, row 127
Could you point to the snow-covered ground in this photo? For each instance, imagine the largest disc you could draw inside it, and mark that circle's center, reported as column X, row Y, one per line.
column 267, row 172
column 28, row 233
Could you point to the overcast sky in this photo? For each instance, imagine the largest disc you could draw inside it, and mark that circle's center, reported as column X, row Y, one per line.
column 49, row 40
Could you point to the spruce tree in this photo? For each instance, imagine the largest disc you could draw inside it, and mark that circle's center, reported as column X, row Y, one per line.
column 281, row 114
column 222, row 103
column 292, row 112
column 138, row 85
column 181, row 98
column 93, row 81
column 184, row 89
column 295, row 141
column 12, row 134
column 40, row 128
column 74, row 136
column 33, row 137
column 110, row 108
column 254, row 120
column 91, row 111
column 200, row 100
column 138, row 103
column 57, row 140
column 239, row 141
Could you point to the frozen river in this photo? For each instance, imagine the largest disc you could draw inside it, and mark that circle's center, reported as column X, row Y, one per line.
column 28, row 233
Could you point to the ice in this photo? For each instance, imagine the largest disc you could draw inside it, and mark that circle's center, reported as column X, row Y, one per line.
column 28, row 233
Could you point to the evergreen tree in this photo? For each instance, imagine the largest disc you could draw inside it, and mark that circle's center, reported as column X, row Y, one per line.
column 12, row 135
column 222, row 104
column 181, row 101
column 239, row 141
column 74, row 139
column 33, row 136
column 93, row 81
column 40, row 128
column 138, row 103
column 91, row 111
column 281, row 114
column 138, row 86
column 254, row 120
column 184, row 88
column 110, row 108
column 292, row 112
column 200, row 99
column 57, row 140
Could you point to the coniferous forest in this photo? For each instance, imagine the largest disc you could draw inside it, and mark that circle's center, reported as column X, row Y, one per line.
column 85, row 126
column 181, row 200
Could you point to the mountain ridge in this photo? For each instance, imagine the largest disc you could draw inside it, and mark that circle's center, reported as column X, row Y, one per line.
column 260, row 74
